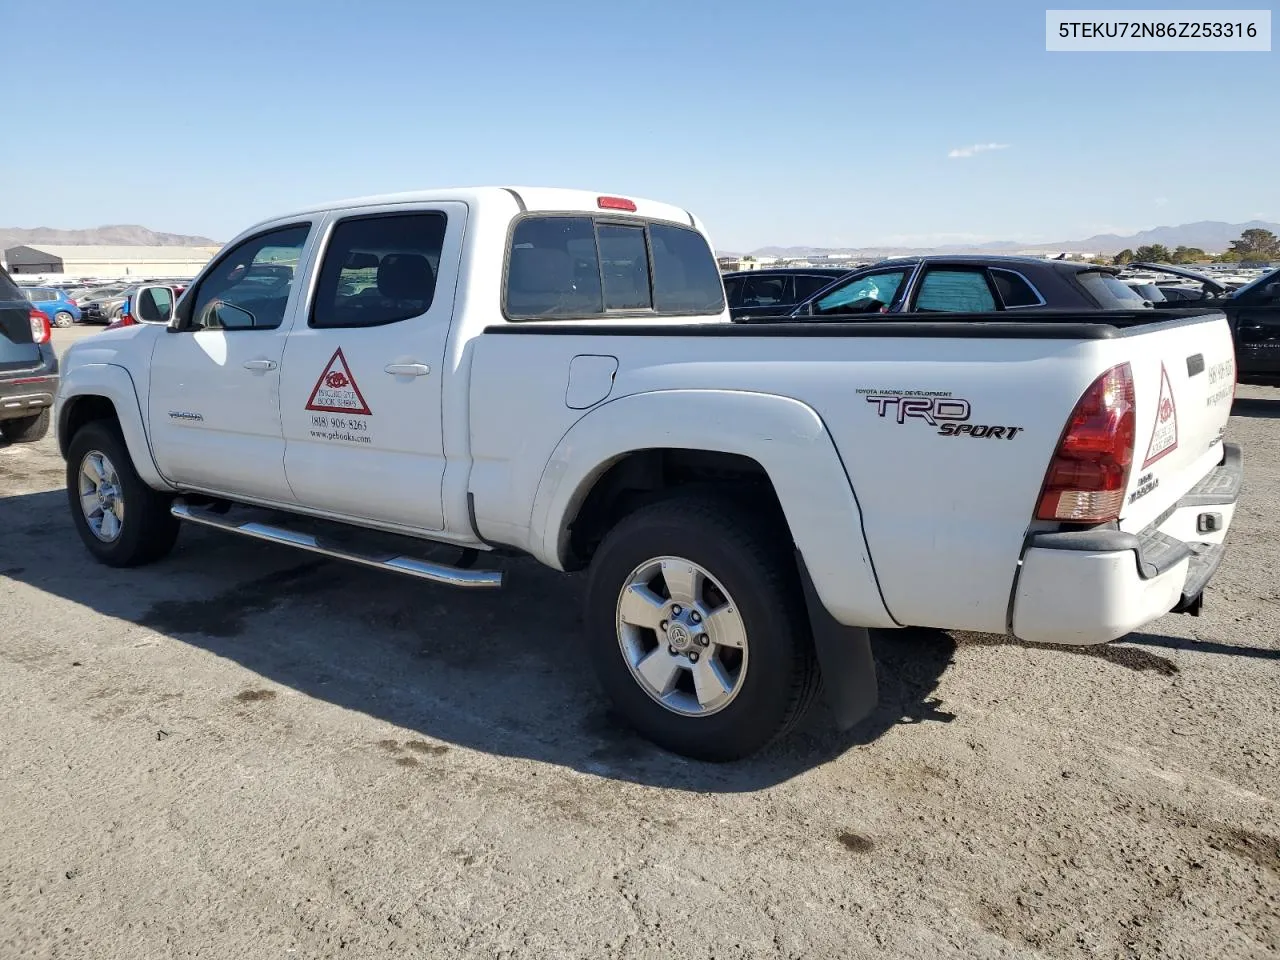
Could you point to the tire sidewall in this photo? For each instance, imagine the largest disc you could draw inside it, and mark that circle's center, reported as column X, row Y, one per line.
column 772, row 620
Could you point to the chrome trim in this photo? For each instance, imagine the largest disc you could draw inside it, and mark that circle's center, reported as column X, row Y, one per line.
column 409, row 566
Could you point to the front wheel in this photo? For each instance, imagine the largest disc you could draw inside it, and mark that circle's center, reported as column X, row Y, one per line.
column 698, row 630
column 122, row 521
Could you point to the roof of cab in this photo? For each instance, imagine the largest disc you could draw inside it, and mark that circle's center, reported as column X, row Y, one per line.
column 526, row 198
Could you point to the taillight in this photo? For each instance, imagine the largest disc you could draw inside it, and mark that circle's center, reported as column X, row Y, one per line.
column 41, row 331
column 72, row 301
column 1089, row 472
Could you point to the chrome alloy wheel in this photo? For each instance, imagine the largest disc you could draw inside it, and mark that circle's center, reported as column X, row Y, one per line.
column 682, row 636
column 101, row 498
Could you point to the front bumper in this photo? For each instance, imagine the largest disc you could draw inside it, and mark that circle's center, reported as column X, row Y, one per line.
column 1090, row 586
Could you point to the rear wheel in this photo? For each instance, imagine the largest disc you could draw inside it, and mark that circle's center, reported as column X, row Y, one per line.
column 698, row 629
column 26, row 429
column 122, row 521
column 63, row 319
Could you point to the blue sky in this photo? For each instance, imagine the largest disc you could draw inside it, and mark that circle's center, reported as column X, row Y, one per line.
column 831, row 125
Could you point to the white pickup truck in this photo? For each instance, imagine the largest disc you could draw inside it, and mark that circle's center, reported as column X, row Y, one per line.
column 554, row 373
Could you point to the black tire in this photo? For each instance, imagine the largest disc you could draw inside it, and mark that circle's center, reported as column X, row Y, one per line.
column 26, row 429
column 63, row 318
column 754, row 563
column 148, row 530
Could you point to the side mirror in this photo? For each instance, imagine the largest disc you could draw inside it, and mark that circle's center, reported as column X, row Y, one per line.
column 155, row 304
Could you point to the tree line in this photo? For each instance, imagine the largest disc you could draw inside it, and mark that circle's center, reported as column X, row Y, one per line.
column 1254, row 244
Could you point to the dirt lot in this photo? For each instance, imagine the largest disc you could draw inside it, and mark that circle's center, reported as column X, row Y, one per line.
column 246, row 752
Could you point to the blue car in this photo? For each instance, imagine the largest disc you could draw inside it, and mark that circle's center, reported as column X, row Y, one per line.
column 56, row 305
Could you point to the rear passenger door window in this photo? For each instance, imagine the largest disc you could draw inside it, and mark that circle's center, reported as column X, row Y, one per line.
column 806, row 286
column 379, row 270
column 955, row 290
column 765, row 292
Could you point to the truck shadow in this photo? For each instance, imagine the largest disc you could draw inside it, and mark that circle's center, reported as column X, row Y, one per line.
column 1265, row 408
column 502, row 672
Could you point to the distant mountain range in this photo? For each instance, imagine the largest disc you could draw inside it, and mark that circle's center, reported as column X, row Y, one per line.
column 123, row 234
column 1212, row 236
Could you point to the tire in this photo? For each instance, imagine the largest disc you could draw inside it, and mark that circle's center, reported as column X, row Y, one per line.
column 26, row 429
column 144, row 530
column 749, row 565
column 63, row 319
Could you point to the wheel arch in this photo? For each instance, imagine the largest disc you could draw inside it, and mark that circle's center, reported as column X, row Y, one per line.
column 774, row 449
column 106, row 392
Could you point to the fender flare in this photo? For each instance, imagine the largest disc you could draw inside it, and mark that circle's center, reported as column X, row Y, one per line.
column 114, row 383
column 785, row 436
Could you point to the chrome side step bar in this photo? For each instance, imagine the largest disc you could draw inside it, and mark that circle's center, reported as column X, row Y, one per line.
column 409, row 566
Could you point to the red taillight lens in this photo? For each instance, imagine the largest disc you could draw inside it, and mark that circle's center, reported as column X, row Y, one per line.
column 1089, row 472
column 72, row 301
column 616, row 203
column 41, row 331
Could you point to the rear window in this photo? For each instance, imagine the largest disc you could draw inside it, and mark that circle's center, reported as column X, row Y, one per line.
column 1109, row 292
column 580, row 267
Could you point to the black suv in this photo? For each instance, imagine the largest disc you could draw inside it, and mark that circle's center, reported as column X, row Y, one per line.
column 751, row 292
column 970, row 284
column 28, row 366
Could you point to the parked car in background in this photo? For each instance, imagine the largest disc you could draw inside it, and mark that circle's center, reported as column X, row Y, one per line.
column 769, row 291
column 970, row 284
column 28, row 366
column 103, row 305
column 1148, row 292
column 61, row 309
column 1253, row 311
column 1180, row 295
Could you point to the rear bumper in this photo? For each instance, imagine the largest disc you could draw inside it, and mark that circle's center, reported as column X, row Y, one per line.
column 27, row 392
column 1091, row 586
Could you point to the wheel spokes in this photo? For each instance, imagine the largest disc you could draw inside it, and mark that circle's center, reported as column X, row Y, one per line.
column 711, row 682
column 641, row 607
column 660, row 670
column 725, row 628
column 683, row 580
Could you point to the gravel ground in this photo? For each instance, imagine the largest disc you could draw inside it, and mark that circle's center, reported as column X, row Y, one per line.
column 248, row 752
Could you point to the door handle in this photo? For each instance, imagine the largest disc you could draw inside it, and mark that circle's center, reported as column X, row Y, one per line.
column 407, row 369
column 259, row 364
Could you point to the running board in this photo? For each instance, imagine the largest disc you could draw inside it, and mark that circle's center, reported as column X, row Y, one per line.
column 409, row 566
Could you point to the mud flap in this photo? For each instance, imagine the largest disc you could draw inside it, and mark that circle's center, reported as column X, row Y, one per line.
column 844, row 654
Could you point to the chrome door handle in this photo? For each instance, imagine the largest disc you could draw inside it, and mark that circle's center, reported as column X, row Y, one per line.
column 259, row 364
column 407, row 369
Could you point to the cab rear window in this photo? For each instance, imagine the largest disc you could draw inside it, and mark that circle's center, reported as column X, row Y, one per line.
column 1109, row 292
column 579, row 267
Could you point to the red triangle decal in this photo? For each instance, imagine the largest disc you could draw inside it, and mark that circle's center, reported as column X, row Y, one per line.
column 1164, row 433
column 336, row 390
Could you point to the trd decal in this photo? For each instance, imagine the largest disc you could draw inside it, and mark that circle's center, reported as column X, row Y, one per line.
column 949, row 414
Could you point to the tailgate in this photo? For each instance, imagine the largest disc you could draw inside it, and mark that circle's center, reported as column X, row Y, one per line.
column 1184, row 379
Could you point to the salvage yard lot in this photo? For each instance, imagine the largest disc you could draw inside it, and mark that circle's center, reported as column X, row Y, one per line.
column 245, row 751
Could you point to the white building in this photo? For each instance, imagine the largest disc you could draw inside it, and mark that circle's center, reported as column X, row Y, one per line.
column 107, row 261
